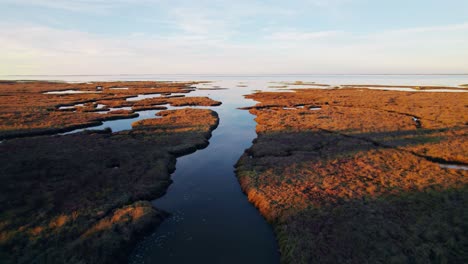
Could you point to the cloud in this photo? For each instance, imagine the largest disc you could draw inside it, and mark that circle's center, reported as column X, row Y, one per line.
column 78, row 5
column 64, row 5
column 196, row 21
column 295, row 35
column 32, row 49
column 330, row 3
column 444, row 28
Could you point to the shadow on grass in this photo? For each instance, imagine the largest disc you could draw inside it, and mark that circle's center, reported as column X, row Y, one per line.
column 344, row 197
column 325, row 144
column 413, row 227
column 81, row 198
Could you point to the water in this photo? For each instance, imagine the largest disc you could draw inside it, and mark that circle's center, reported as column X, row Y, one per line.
column 119, row 124
column 143, row 96
column 70, row 107
column 123, row 124
column 331, row 79
column 70, row 92
column 212, row 220
column 119, row 88
column 453, row 166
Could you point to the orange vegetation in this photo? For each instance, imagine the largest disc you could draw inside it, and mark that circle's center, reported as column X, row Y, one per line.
column 178, row 121
column 27, row 110
column 350, row 175
column 77, row 198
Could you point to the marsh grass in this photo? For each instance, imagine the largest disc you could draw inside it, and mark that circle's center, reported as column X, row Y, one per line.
column 27, row 111
column 81, row 198
column 362, row 185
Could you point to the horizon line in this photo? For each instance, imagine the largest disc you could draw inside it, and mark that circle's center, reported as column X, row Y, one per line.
column 231, row 74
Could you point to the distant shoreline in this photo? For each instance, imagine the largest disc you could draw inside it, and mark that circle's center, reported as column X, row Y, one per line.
column 250, row 74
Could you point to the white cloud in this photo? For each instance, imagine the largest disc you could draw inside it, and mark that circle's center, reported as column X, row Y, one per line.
column 199, row 22
column 79, row 5
column 330, row 3
column 444, row 28
column 294, row 35
column 93, row 6
column 43, row 50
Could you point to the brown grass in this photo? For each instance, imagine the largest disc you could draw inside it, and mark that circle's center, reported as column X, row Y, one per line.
column 403, row 86
column 77, row 198
column 357, row 181
column 26, row 110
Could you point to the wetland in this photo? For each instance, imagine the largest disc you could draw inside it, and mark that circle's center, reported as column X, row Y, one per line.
column 251, row 170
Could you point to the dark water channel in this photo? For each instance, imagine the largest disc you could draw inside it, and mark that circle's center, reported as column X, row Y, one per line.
column 212, row 220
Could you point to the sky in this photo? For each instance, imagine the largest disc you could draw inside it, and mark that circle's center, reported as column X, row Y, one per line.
column 233, row 37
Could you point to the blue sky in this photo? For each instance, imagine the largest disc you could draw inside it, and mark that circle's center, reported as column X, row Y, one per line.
column 251, row 37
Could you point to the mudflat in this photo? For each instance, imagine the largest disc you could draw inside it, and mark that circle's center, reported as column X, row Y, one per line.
column 84, row 197
column 361, row 175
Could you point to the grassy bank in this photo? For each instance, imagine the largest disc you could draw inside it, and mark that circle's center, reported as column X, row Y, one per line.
column 83, row 198
column 353, row 175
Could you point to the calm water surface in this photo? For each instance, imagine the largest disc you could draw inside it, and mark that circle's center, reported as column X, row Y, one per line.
column 332, row 79
column 212, row 220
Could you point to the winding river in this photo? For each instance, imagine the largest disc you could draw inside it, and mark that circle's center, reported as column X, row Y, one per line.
column 211, row 219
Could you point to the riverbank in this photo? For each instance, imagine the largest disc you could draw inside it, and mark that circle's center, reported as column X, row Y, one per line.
column 355, row 175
